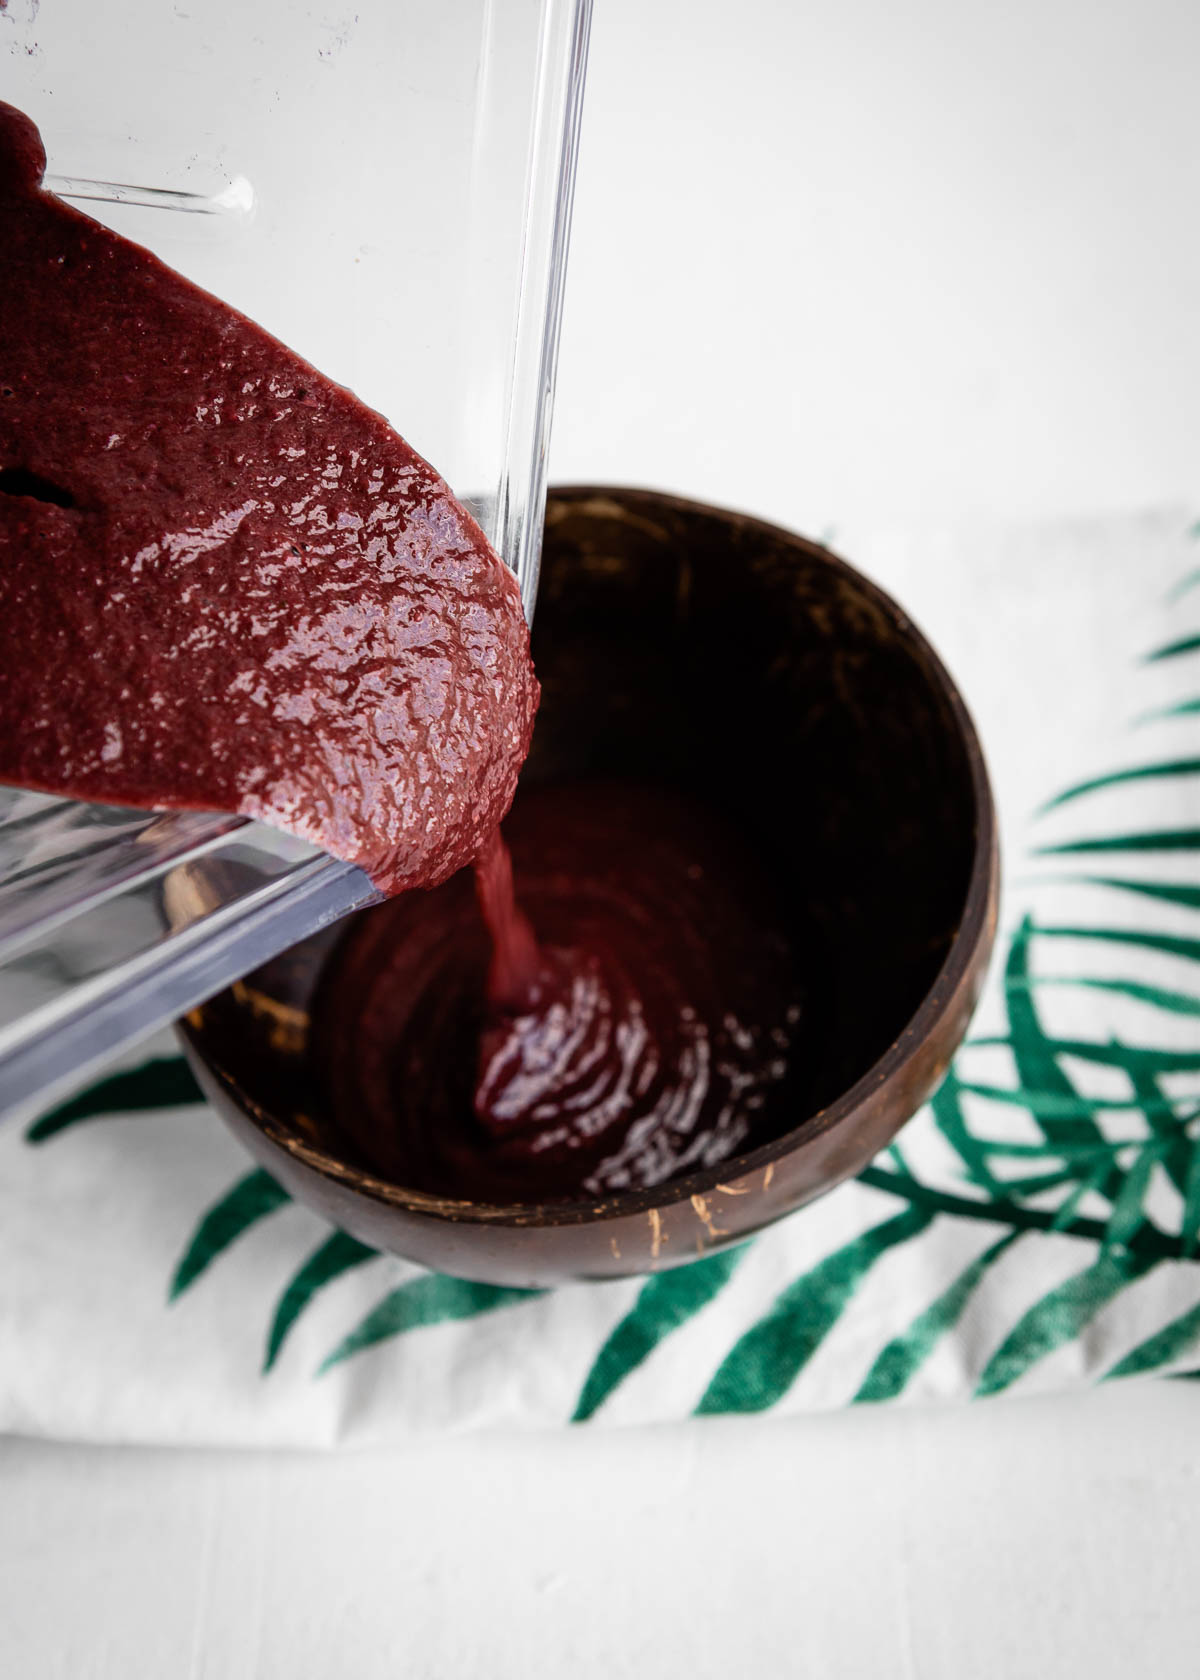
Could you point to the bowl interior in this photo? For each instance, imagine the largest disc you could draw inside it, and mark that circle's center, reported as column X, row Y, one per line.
column 684, row 646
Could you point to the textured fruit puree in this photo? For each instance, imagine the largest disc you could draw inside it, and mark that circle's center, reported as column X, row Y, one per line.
column 225, row 583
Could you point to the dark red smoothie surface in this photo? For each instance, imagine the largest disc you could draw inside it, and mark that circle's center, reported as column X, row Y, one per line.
column 653, row 1036
column 225, row 583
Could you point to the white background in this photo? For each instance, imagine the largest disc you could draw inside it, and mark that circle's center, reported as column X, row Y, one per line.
column 1016, row 1540
column 849, row 255
column 832, row 262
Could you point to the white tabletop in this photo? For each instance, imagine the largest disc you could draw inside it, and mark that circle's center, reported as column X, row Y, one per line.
column 1013, row 1540
column 840, row 260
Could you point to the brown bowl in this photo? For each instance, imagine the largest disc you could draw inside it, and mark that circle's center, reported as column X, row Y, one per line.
column 705, row 649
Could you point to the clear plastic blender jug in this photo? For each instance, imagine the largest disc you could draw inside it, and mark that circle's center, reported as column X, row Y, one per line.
column 385, row 186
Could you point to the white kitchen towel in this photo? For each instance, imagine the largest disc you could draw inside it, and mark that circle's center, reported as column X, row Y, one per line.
column 1034, row 1228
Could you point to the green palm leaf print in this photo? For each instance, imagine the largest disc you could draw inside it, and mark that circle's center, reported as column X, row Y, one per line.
column 252, row 1198
column 1172, row 650
column 665, row 1303
column 1171, row 945
column 432, row 1299
column 1165, row 892
column 167, row 1082
column 1151, row 840
column 1182, row 708
column 1059, row 1317
column 1162, row 1348
column 338, row 1254
column 903, row 1356
column 1117, row 778
column 761, row 1367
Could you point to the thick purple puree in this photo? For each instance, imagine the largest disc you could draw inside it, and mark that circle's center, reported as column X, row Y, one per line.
column 226, row 584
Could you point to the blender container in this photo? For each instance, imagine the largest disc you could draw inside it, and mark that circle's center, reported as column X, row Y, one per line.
column 385, row 186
